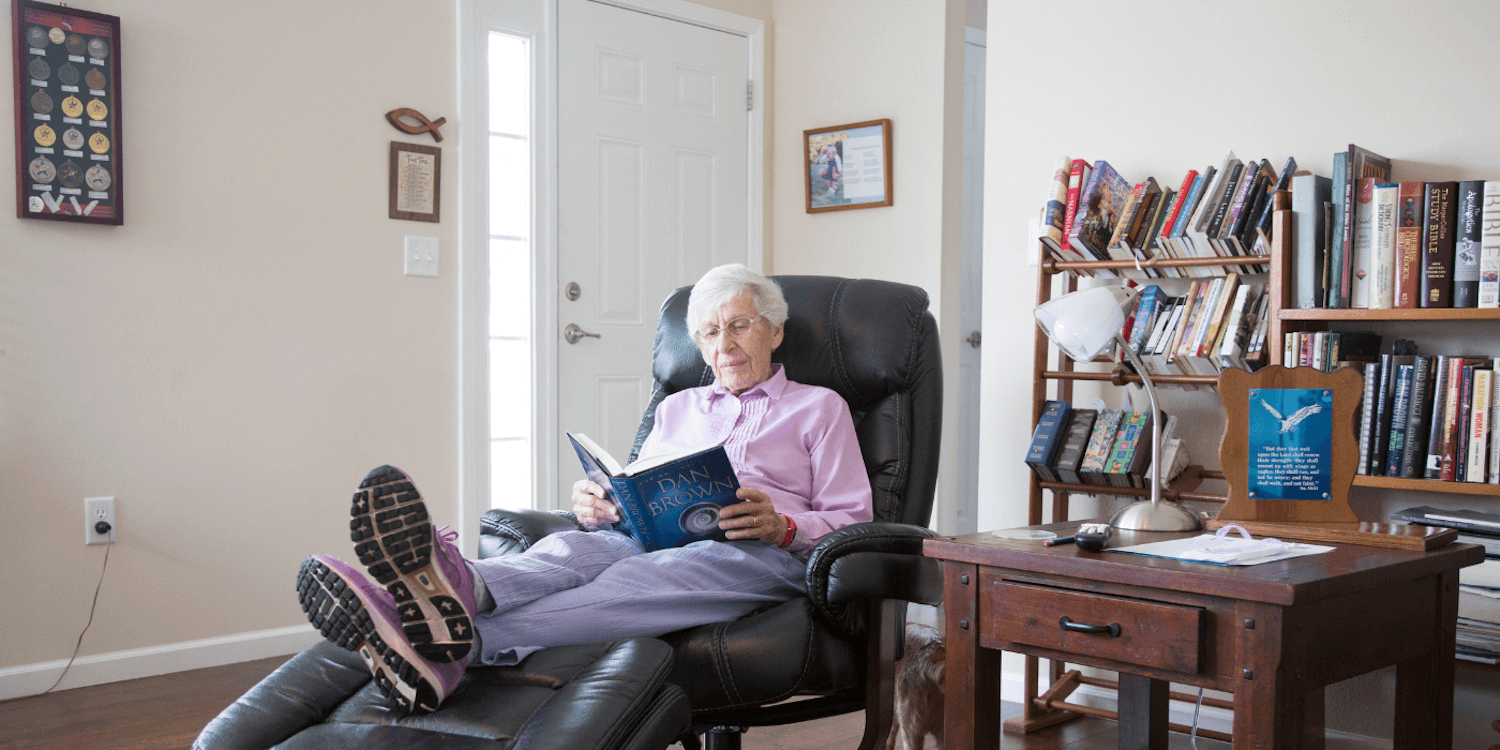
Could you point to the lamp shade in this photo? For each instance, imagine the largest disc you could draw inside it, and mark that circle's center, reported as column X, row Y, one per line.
column 1084, row 323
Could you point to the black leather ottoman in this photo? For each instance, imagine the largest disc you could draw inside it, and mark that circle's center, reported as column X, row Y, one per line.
column 600, row 696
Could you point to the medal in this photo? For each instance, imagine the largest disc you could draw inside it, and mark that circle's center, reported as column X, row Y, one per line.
column 98, row 143
column 69, row 175
column 43, row 170
column 98, row 48
column 41, row 102
column 72, row 139
column 39, row 69
column 97, row 110
column 56, row 35
column 74, row 44
column 95, row 79
column 72, row 107
column 98, row 178
column 36, row 37
column 68, row 75
column 45, row 135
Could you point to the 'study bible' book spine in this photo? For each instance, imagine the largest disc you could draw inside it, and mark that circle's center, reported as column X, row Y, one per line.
column 1440, row 214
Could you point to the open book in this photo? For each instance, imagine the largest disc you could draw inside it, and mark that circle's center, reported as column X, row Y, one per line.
column 666, row 500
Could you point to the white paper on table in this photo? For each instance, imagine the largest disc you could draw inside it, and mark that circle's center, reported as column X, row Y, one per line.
column 1193, row 549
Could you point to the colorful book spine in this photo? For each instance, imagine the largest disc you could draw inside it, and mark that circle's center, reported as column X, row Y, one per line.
column 1489, row 248
column 1417, row 406
column 1046, row 439
column 1440, row 214
column 1367, row 417
column 1055, row 207
column 1383, row 275
column 1364, row 243
column 1398, row 422
column 1433, row 467
column 1126, row 448
column 1467, row 237
column 1100, row 443
column 1409, row 223
column 1451, row 400
column 1494, row 450
column 1337, row 251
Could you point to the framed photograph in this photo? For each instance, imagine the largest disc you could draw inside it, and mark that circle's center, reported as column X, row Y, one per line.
column 416, row 181
column 69, row 136
column 848, row 166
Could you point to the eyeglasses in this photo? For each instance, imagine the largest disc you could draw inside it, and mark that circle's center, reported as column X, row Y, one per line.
column 734, row 329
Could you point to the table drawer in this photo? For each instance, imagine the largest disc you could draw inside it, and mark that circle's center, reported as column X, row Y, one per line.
column 1133, row 631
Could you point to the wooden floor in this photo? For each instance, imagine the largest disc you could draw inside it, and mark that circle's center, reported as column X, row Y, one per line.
column 166, row 713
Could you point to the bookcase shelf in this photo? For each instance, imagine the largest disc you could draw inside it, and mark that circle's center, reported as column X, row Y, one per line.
column 1428, row 485
column 1395, row 313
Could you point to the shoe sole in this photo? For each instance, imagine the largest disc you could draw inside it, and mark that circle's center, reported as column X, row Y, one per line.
column 393, row 538
column 335, row 607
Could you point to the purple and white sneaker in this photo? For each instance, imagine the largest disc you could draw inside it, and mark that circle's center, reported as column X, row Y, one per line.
column 421, row 566
column 360, row 617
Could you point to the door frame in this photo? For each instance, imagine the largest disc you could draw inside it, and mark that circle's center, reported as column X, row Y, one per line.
column 538, row 20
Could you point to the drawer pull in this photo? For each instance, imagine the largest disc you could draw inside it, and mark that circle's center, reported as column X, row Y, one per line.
column 1113, row 629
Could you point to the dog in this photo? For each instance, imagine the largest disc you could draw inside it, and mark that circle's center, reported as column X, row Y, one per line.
column 919, row 690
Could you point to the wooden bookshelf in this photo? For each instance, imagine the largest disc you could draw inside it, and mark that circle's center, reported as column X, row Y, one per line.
column 1395, row 313
column 1428, row 485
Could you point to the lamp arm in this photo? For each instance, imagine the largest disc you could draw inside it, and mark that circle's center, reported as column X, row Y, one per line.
column 1155, row 415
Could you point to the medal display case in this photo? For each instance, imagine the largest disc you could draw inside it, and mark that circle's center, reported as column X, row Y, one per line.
column 68, row 132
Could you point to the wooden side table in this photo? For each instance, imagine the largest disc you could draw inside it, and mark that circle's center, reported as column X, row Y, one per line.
column 1273, row 634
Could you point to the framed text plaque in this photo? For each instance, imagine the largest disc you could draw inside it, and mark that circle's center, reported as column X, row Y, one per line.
column 69, row 137
column 1290, row 443
column 416, row 179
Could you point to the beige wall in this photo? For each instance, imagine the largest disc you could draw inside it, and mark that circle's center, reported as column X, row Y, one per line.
column 846, row 61
column 1271, row 80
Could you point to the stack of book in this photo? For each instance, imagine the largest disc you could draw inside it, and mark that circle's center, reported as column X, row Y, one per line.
column 1430, row 417
column 1479, row 585
column 1218, row 323
column 1330, row 350
column 1363, row 241
column 1091, row 212
column 1108, row 448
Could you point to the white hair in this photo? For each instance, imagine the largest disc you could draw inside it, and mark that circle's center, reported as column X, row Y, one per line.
column 724, row 283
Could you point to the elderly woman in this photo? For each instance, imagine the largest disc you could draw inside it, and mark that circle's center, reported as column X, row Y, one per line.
column 792, row 446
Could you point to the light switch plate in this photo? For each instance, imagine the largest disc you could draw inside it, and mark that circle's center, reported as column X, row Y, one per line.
column 420, row 256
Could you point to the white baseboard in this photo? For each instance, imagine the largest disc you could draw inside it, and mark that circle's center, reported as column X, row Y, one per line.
column 31, row 679
column 1012, row 688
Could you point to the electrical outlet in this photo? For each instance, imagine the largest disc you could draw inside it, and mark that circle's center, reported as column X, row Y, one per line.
column 96, row 509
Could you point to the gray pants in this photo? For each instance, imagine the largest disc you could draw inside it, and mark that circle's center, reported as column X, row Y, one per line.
column 579, row 587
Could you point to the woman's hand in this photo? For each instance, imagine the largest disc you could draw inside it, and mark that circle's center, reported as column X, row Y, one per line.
column 590, row 506
column 755, row 518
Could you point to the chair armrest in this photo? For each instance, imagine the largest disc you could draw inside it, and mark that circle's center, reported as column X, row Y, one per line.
column 869, row 561
column 506, row 532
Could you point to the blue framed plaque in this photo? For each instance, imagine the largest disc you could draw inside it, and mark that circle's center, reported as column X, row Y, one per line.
column 1290, row 443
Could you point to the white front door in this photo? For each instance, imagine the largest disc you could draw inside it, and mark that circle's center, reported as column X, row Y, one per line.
column 971, row 293
column 653, row 164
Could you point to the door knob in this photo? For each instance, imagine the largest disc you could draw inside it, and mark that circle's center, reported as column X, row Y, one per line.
column 573, row 333
column 973, row 339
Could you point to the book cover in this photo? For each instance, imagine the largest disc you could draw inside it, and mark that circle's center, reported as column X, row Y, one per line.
column 1078, row 175
column 1076, row 434
column 1337, row 255
column 1309, row 194
column 1238, row 235
column 1148, row 307
column 1192, row 317
column 1397, row 445
column 1480, row 426
column 1418, row 405
column 1239, row 327
column 1359, row 162
column 1364, row 243
column 1046, row 439
column 1440, row 215
column 1460, row 380
column 1409, row 222
column 1101, row 203
column 1055, row 206
column 1226, row 202
column 1129, row 451
column 1367, row 417
column 1467, row 237
column 1489, row 248
column 1384, row 397
column 1197, row 235
column 1101, row 440
column 1151, row 246
column 1284, row 182
column 1178, row 240
column 1432, row 468
column 1383, row 274
column 667, row 500
column 1128, row 219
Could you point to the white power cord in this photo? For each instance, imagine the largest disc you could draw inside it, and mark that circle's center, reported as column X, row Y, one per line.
column 1193, row 736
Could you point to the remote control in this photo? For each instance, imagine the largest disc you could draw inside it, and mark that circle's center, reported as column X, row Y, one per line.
column 1092, row 537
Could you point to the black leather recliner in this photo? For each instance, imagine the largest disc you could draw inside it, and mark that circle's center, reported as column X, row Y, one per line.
column 876, row 344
